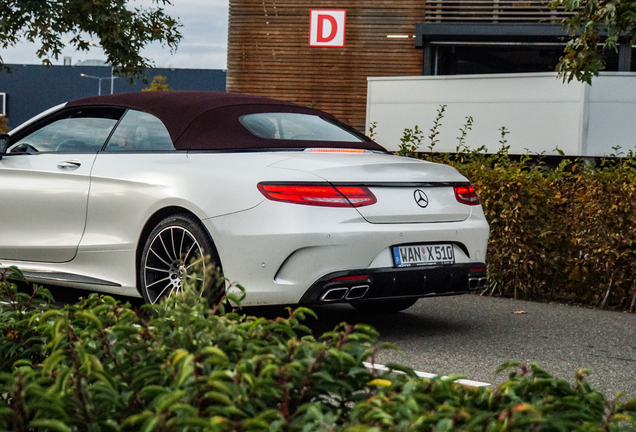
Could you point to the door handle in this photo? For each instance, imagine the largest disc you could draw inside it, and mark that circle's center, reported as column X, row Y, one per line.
column 72, row 164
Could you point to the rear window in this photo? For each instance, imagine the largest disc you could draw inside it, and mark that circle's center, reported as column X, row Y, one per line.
column 299, row 127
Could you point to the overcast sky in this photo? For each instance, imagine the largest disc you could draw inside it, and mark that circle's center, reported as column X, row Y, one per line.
column 203, row 46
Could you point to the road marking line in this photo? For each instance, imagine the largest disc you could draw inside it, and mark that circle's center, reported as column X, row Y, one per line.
column 465, row 382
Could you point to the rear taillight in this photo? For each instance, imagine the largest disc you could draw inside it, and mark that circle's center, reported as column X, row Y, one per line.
column 479, row 269
column 351, row 278
column 324, row 195
column 466, row 195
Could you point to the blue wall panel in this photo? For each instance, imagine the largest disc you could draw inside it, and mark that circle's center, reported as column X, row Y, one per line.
column 32, row 89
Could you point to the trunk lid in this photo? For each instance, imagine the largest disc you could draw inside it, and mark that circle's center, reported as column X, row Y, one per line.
column 407, row 190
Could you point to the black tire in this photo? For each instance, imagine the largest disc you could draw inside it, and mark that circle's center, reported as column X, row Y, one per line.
column 176, row 246
column 384, row 306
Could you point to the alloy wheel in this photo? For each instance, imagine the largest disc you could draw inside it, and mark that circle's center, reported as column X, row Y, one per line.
column 174, row 257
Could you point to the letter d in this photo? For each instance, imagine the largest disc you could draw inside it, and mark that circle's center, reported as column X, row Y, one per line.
column 320, row 38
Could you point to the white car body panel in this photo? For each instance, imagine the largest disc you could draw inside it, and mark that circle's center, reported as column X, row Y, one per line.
column 397, row 206
column 59, row 184
column 369, row 167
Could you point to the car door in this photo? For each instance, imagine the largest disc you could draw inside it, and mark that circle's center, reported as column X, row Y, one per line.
column 138, row 168
column 45, row 178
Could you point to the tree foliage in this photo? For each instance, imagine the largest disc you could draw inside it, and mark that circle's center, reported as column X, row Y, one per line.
column 158, row 84
column 595, row 27
column 4, row 124
column 121, row 29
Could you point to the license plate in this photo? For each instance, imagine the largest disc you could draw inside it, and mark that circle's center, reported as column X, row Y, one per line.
column 422, row 255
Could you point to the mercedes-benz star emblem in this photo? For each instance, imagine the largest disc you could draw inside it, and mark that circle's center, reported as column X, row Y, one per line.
column 420, row 198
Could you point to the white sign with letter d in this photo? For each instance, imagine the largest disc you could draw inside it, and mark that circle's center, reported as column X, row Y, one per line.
column 327, row 28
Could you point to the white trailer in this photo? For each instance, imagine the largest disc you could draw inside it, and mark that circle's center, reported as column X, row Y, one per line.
column 541, row 112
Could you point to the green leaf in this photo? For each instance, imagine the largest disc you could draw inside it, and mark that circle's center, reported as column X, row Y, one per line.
column 305, row 311
column 22, row 362
column 49, row 364
column 54, row 425
column 92, row 363
column 16, row 274
column 178, row 355
column 150, row 424
column 137, row 418
column 214, row 351
column 407, row 370
column 218, row 397
column 508, row 365
column 164, row 402
column 186, row 369
column 234, row 298
column 453, row 377
column 152, row 391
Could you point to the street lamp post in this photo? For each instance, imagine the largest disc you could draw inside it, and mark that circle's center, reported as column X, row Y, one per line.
column 99, row 79
column 112, row 78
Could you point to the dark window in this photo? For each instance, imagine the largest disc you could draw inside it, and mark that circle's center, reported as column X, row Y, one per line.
column 70, row 131
column 299, row 127
column 488, row 59
column 139, row 131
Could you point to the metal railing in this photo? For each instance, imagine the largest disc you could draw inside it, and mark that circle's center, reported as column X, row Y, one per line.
column 491, row 11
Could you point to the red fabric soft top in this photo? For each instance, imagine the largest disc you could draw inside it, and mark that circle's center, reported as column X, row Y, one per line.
column 200, row 120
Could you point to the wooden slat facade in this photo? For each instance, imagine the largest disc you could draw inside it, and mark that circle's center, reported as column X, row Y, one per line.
column 269, row 52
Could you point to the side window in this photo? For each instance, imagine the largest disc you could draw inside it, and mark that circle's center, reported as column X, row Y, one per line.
column 139, row 131
column 73, row 131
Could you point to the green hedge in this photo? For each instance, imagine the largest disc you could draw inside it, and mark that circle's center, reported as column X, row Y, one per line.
column 563, row 233
column 182, row 366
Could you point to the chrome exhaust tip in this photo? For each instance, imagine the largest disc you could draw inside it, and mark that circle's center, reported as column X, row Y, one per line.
column 357, row 292
column 334, row 294
column 477, row 283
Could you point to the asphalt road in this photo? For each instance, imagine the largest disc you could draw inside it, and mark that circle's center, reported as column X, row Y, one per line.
column 473, row 336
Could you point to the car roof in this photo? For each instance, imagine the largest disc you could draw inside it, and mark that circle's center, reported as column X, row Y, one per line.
column 206, row 120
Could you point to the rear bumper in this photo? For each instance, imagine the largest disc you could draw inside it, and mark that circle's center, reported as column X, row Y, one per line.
column 394, row 283
column 279, row 252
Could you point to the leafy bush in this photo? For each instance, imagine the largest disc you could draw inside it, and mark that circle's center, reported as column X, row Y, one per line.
column 99, row 365
column 527, row 241
column 180, row 366
column 566, row 232
column 559, row 233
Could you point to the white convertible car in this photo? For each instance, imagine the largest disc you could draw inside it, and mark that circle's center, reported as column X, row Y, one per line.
column 125, row 193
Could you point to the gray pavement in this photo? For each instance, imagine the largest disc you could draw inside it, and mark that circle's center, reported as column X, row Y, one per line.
column 473, row 335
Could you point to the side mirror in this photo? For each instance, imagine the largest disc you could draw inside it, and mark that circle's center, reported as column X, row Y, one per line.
column 4, row 144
